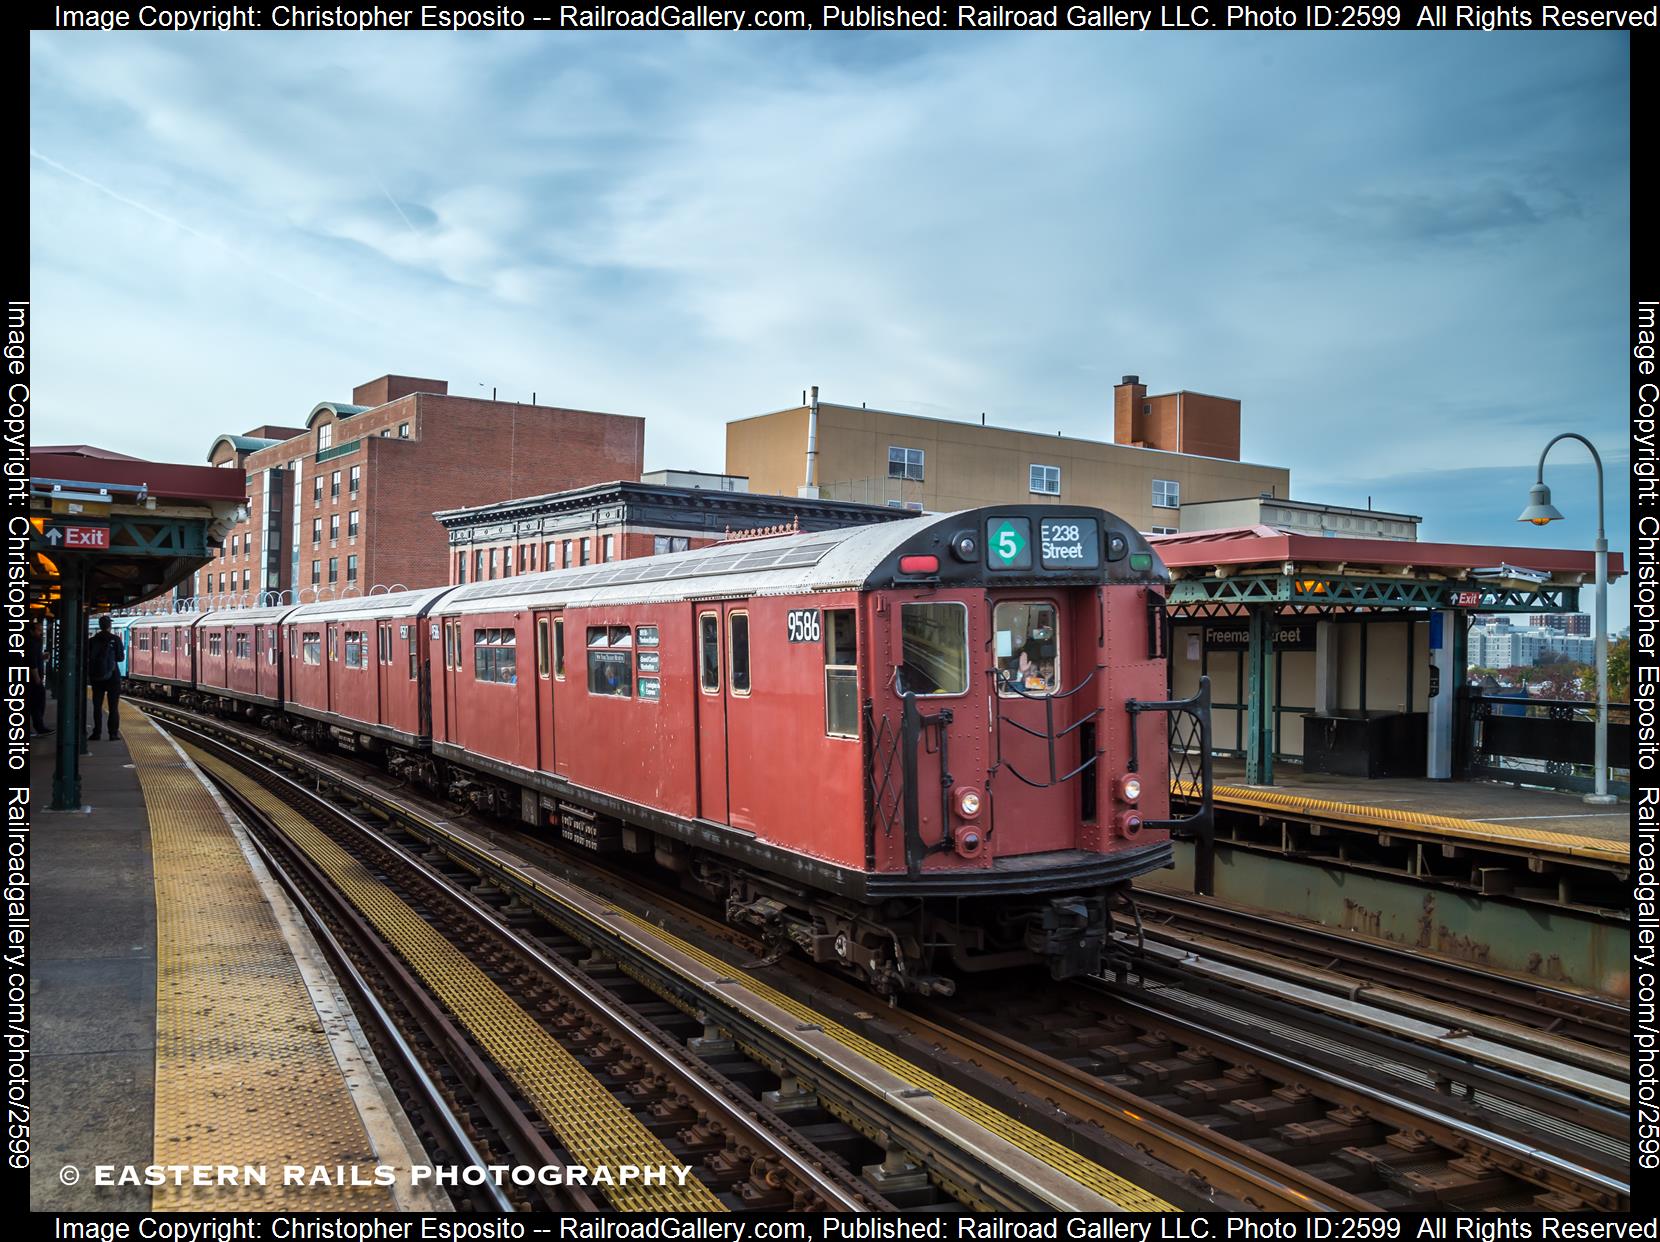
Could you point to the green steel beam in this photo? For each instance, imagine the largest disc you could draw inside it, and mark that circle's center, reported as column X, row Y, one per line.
column 1259, row 721
column 1327, row 592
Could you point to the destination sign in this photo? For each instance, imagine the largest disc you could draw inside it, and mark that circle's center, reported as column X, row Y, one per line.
column 1070, row 543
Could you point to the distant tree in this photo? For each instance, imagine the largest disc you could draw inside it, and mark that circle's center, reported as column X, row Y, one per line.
column 1619, row 674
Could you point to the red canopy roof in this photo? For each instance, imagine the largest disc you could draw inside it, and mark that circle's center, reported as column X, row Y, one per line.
column 1264, row 545
column 85, row 463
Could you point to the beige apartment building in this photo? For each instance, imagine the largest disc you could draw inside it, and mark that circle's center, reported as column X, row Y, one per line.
column 1171, row 449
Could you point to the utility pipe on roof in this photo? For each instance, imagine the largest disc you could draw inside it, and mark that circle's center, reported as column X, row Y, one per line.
column 812, row 439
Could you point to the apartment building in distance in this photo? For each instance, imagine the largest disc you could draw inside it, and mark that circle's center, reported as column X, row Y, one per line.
column 1166, row 450
column 344, row 504
column 1300, row 517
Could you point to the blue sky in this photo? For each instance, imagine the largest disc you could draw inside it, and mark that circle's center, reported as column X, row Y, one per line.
column 1407, row 254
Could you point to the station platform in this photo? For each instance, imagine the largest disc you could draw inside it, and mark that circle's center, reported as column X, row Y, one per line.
column 1541, row 821
column 183, row 1014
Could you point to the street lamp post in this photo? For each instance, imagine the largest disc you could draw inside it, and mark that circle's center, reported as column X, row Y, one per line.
column 1540, row 512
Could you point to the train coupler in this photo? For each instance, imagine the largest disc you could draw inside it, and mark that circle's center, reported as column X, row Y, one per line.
column 1070, row 934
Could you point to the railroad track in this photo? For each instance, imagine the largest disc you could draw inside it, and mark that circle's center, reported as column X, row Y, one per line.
column 1245, row 935
column 1115, row 1077
column 928, row 1145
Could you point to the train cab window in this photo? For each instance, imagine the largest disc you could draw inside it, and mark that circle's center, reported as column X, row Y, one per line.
column 1027, row 648
column 934, row 655
column 542, row 652
column 357, row 643
column 559, row 648
column 841, row 673
column 495, row 658
column 611, row 661
column 311, row 648
column 737, row 651
column 709, row 652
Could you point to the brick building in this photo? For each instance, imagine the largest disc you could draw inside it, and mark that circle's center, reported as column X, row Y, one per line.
column 622, row 520
column 345, row 504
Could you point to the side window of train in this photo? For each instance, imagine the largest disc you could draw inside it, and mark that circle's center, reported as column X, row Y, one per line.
column 841, row 673
column 737, row 651
column 934, row 649
column 611, row 661
column 1028, row 650
column 708, row 638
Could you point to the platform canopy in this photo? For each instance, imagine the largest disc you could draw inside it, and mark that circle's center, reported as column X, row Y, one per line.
column 108, row 531
column 129, row 528
column 1226, row 572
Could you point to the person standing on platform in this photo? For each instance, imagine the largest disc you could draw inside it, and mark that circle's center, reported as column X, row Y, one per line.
column 35, row 652
column 104, row 653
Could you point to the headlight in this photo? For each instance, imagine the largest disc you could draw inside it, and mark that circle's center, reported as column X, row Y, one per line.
column 1129, row 788
column 968, row 802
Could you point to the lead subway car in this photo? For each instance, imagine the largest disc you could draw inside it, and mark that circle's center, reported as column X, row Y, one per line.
column 910, row 749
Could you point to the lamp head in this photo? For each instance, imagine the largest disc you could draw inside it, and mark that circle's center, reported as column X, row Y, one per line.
column 1539, row 509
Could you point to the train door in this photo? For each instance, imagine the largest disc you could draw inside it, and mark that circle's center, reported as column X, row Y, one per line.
column 1044, row 692
column 550, row 670
column 451, row 635
column 710, row 627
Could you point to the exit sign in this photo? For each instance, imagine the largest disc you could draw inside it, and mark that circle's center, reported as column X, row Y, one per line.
column 76, row 537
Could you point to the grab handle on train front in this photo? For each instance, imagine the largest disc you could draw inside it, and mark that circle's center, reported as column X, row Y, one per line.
column 1191, row 778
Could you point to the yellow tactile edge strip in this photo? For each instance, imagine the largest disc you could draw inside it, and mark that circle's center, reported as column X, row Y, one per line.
column 1567, row 844
column 245, row 1074
column 594, row 1127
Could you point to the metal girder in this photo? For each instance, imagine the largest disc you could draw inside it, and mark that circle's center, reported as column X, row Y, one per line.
column 1316, row 592
column 133, row 535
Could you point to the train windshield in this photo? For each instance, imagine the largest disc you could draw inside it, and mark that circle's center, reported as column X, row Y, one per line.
column 935, row 655
column 1028, row 655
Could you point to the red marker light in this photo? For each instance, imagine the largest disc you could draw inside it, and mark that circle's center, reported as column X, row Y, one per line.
column 919, row 564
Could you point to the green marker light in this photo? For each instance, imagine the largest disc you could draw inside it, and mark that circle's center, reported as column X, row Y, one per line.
column 1141, row 562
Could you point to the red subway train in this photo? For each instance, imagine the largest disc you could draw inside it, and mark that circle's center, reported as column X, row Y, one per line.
column 915, row 750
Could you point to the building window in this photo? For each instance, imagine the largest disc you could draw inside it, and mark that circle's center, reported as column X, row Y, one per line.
column 316, row 531
column 567, row 561
column 403, row 431
column 904, row 463
column 316, row 572
column 355, row 479
column 611, row 661
column 247, row 579
column 236, row 542
column 461, row 567
column 351, row 568
column 547, row 555
column 334, row 528
column 584, row 551
column 1167, row 494
column 493, row 552
column 334, row 570
column 934, row 657
column 610, row 548
column 334, row 486
column 669, row 543
column 221, row 583
column 478, row 565
column 1146, row 407
column 311, row 648
column 317, row 490
column 356, row 642
column 1172, row 530
column 351, row 524
column 325, row 436
column 1045, row 480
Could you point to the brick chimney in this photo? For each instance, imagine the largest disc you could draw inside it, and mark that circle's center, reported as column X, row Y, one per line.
column 1128, row 397
column 391, row 387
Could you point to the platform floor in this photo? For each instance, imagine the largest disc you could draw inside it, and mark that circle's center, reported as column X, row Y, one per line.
column 1478, row 809
column 183, row 1014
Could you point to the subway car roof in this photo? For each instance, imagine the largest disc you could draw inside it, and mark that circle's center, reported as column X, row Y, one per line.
column 383, row 604
column 854, row 558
